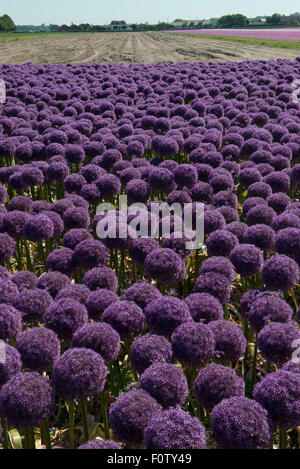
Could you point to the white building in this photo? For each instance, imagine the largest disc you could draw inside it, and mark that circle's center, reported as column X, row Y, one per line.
column 119, row 26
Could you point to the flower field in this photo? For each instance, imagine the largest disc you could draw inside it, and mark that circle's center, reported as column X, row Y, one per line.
column 152, row 342
column 281, row 34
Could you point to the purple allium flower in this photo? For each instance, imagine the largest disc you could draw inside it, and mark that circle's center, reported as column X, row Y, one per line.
column 268, row 307
column 39, row 348
column 166, row 383
column 213, row 220
column 126, row 317
column 288, row 219
column 130, row 415
column 204, row 307
column 76, row 291
column 24, row 280
column 230, row 341
column 220, row 265
column 79, row 373
column 60, row 260
column 161, row 179
column 225, row 198
column 8, row 291
column 180, row 197
column 10, row 322
column 98, row 301
column 65, row 316
column 56, row 220
column 32, row 303
column 241, row 423
column 260, row 214
column 247, row 260
column 292, row 367
column 57, row 172
column 101, row 278
column 12, row 364
column 279, row 394
column 108, row 185
column 137, row 190
column 280, row 272
column 165, row 266
column 214, row 284
column 13, row 223
column 249, row 176
column 278, row 202
column 76, row 217
column 221, row 243
column 252, row 202
column 215, row 383
column 53, row 282
column 174, row 429
column 150, row 349
column 101, row 444
column 259, row 189
column 295, row 176
column 140, row 248
column 90, row 253
column 262, row 236
column 26, row 400
column 275, row 342
column 193, row 344
column 75, row 236
column 20, row 202
column 7, row 247
column 142, row 293
column 288, row 243
column 101, row 338
column 38, row 228
column 32, row 176
column 165, row 314
column 278, row 181
column 185, row 175
column 74, row 183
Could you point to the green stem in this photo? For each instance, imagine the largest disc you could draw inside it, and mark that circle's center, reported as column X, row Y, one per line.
column 46, row 433
column 253, row 380
column 104, row 414
column 29, row 438
column 84, row 417
column 282, row 439
column 5, row 433
column 71, row 407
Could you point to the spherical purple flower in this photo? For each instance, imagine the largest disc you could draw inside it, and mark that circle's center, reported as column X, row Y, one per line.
column 65, row 316
column 204, row 307
column 165, row 266
column 24, row 280
column 174, row 429
column 108, row 185
column 10, row 322
column 53, row 282
column 130, row 415
column 142, row 293
column 259, row 189
column 126, row 317
column 278, row 202
column 275, row 342
column 292, row 366
column 213, row 220
column 101, row 338
column 74, row 183
column 101, row 278
column 280, row 272
column 32, row 176
column 140, row 248
column 12, row 364
column 216, row 383
column 268, row 307
column 220, row 265
column 26, row 400
column 137, row 190
column 260, row 214
column 38, row 228
column 150, row 349
column 214, row 284
column 247, row 260
column 7, row 247
column 241, row 423
column 75, row 236
column 90, row 253
column 288, row 219
column 166, row 383
column 101, row 444
column 56, row 220
column 39, row 348
column 32, row 303
column 76, row 217
column 193, row 344
column 76, row 291
column 98, row 301
column 249, row 176
column 278, row 181
column 161, row 179
column 13, row 223
column 61, row 260
column 279, row 394
column 221, row 243
column 288, row 243
column 165, row 314
column 20, row 202
column 252, row 202
column 262, row 236
column 230, row 341
column 79, row 373
column 185, row 175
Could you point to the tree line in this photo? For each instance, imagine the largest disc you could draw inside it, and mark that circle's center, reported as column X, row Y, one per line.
column 7, row 24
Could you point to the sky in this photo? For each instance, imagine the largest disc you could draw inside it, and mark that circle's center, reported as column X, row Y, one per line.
column 37, row 12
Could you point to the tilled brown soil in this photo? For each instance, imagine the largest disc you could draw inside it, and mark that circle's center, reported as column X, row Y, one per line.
column 148, row 47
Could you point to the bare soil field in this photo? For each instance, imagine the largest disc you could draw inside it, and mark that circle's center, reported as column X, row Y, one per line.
column 148, row 47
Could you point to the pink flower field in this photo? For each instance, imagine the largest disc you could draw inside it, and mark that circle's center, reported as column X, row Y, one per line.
column 286, row 34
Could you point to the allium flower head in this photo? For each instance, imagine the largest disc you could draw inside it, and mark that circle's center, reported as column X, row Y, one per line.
column 204, row 307
column 100, row 337
column 39, row 348
column 126, row 317
column 215, row 284
column 165, row 266
column 65, row 316
column 193, row 344
column 247, row 260
column 276, row 342
column 12, row 364
column 101, row 444
column 230, row 341
column 101, row 278
column 280, row 272
column 150, row 349
column 165, row 314
column 33, row 303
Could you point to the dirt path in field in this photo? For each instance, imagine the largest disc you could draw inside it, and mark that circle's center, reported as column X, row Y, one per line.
column 148, row 47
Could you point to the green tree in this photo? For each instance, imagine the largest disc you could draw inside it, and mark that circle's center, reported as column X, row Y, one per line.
column 7, row 24
column 274, row 19
column 233, row 21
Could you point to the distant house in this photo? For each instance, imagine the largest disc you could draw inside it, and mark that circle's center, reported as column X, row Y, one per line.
column 259, row 20
column 119, row 26
column 179, row 24
column 214, row 21
column 289, row 20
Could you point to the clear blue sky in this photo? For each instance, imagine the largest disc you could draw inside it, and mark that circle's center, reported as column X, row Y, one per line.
column 101, row 12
